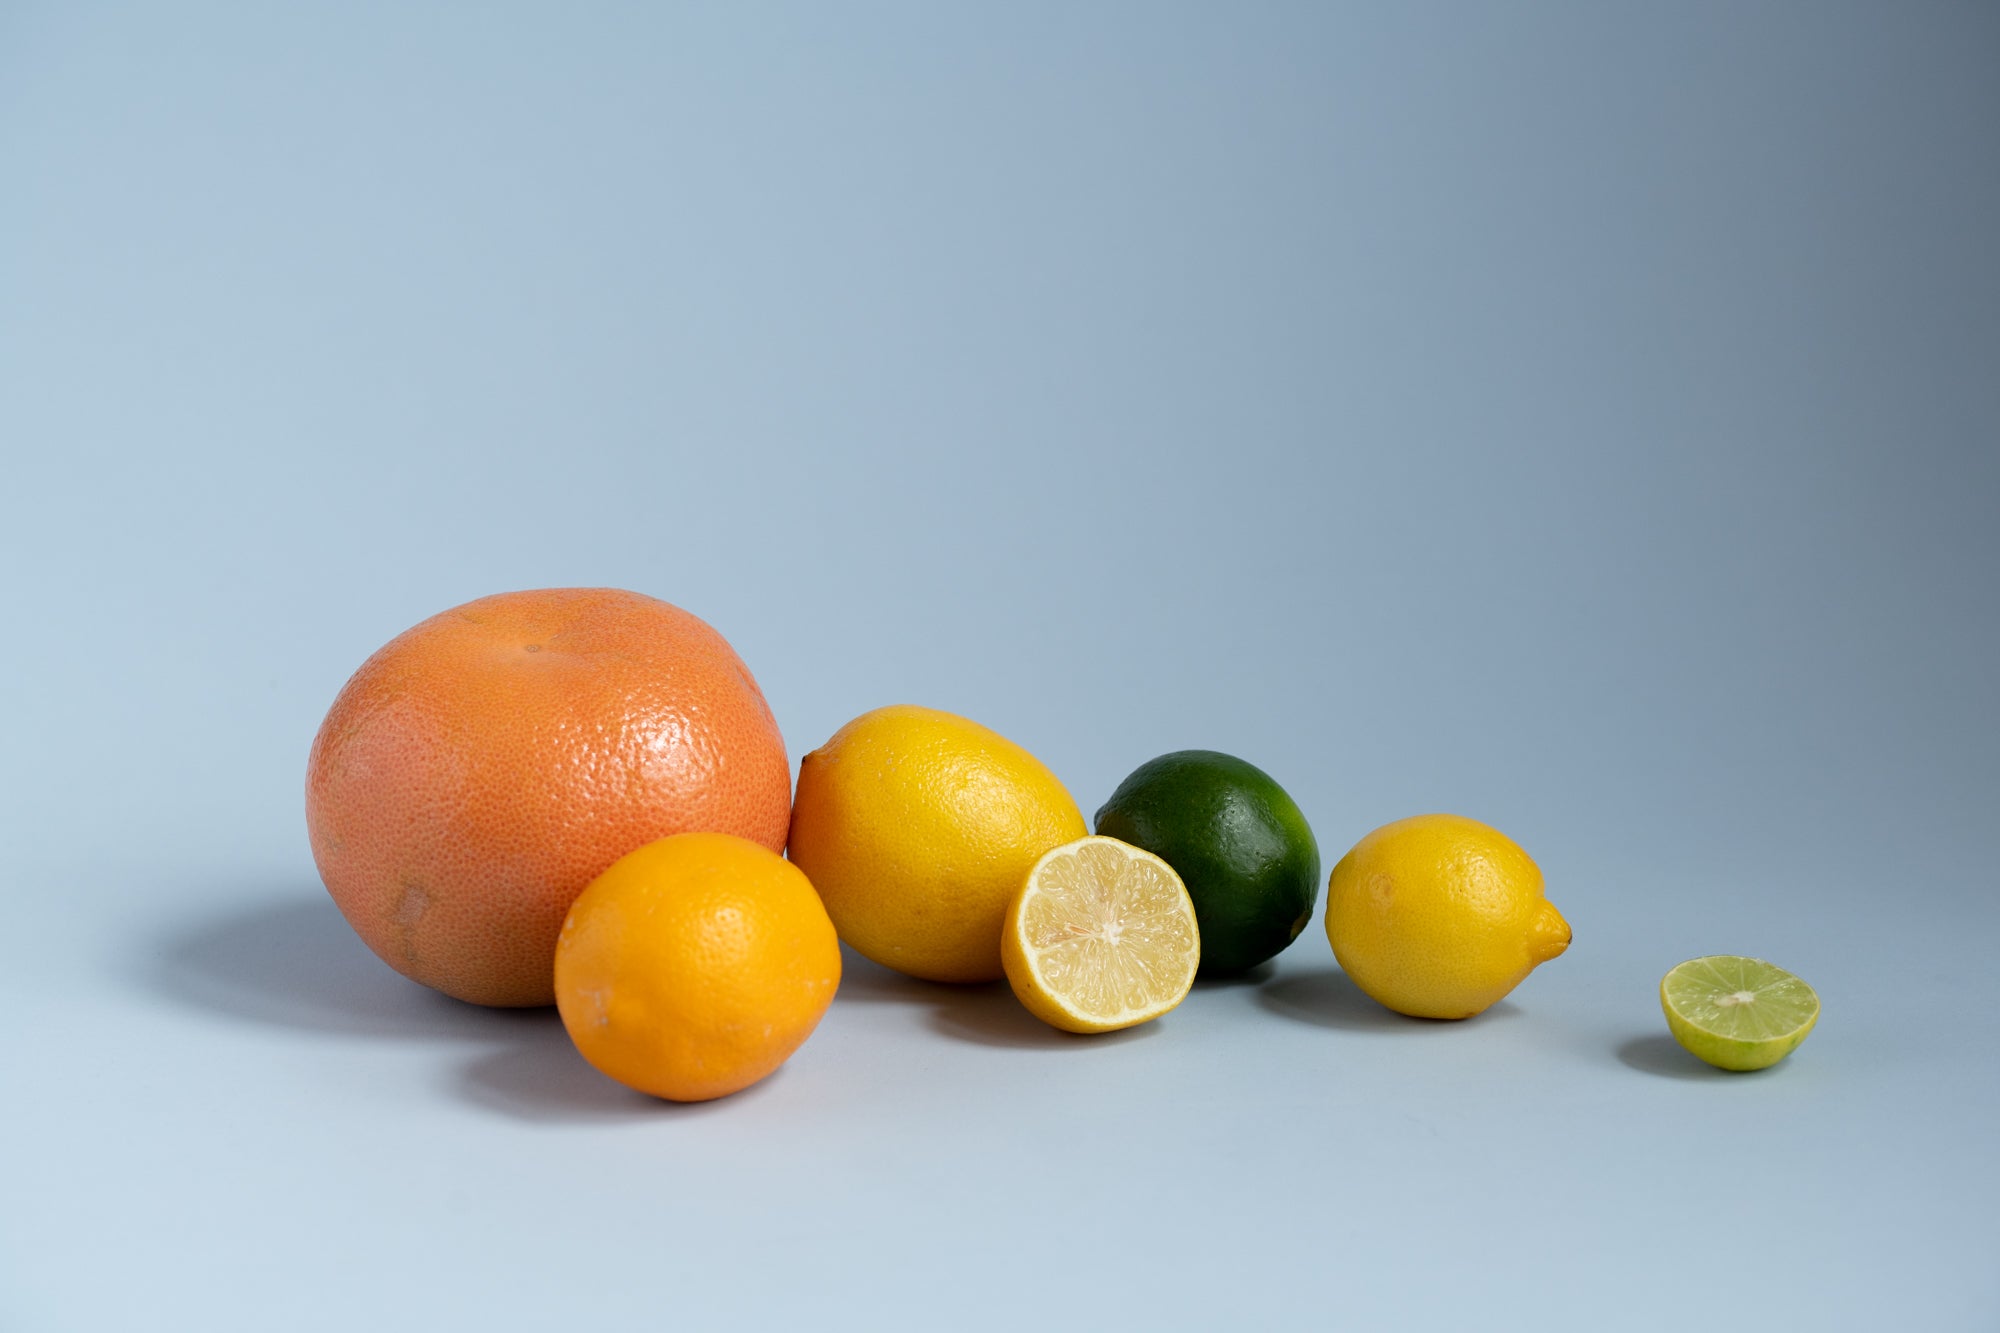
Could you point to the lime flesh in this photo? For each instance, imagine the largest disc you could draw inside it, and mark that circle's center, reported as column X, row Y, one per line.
column 1737, row 1013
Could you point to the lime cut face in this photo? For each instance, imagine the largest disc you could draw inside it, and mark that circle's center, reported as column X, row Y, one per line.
column 1737, row 1013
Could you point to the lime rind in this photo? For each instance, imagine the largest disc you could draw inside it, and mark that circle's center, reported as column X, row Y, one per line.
column 1238, row 841
column 1737, row 1013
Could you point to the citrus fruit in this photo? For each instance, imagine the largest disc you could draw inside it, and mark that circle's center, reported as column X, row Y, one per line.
column 1737, row 1013
column 1440, row 916
column 481, row 768
column 695, row 965
column 1101, row 936
column 917, row 827
column 1236, row 839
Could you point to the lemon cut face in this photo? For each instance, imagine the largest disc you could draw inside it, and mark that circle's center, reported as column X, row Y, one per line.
column 1101, row 936
column 1737, row 1013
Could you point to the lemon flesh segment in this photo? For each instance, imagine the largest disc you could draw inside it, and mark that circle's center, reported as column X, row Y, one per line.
column 1737, row 1013
column 1101, row 936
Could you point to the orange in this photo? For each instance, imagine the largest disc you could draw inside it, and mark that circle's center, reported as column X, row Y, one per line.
column 482, row 768
column 695, row 966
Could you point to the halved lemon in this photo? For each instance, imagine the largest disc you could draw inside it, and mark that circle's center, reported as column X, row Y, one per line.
column 1101, row 936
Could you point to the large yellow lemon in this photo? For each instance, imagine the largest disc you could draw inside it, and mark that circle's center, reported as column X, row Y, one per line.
column 918, row 827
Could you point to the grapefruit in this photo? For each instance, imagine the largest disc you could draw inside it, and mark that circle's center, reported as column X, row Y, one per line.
column 484, row 766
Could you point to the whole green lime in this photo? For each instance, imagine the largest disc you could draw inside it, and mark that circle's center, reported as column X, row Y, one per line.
column 1235, row 838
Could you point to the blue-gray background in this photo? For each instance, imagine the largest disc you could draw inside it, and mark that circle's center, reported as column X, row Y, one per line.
column 1579, row 417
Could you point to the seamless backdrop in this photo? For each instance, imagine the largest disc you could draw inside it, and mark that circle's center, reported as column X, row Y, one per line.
column 1585, row 418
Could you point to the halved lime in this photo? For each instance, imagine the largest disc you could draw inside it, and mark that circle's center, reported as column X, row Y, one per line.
column 1737, row 1013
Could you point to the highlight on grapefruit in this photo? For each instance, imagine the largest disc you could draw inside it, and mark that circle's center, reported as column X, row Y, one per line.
column 484, row 766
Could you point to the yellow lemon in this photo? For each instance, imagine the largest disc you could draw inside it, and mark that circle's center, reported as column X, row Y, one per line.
column 1440, row 916
column 918, row 827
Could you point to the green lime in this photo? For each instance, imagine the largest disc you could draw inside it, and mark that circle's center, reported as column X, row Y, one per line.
column 1737, row 1013
column 1236, row 840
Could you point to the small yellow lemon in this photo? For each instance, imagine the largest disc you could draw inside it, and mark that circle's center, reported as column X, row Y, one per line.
column 918, row 827
column 1440, row 916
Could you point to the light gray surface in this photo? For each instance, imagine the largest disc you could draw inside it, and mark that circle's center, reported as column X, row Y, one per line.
column 1582, row 418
